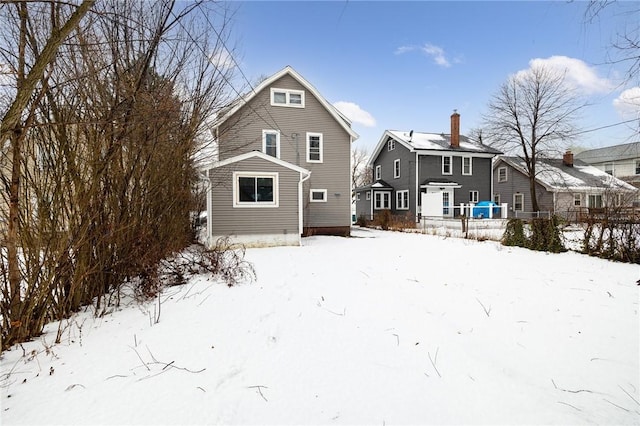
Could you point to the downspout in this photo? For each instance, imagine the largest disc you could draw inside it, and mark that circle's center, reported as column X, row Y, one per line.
column 301, row 207
column 417, row 183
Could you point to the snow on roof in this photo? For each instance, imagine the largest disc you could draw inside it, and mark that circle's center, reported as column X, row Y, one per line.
column 439, row 142
column 553, row 174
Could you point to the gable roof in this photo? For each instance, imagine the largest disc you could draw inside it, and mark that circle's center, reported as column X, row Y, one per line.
column 262, row 155
column 610, row 153
column 424, row 142
column 555, row 176
column 235, row 105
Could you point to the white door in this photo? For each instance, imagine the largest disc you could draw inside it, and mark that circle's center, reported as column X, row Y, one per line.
column 437, row 202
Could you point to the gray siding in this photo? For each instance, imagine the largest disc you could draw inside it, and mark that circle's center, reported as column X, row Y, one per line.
column 228, row 220
column 430, row 167
column 363, row 206
column 243, row 132
column 407, row 177
column 518, row 182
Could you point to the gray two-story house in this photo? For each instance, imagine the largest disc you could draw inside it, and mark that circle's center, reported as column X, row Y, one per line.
column 283, row 166
column 426, row 174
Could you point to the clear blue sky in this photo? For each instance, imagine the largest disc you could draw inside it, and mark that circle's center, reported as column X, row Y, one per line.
column 408, row 65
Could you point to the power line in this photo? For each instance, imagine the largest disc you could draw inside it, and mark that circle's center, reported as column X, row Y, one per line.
column 606, row 127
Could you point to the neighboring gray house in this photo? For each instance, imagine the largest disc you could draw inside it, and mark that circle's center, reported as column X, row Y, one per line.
column 621, row 161
column 284, row 166
column 426, row 174
column 563, row 186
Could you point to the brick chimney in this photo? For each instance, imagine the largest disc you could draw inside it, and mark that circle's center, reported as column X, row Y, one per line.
column 567, row 159
column 455, row 129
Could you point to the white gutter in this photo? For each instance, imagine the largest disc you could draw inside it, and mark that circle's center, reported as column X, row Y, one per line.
column 301, row 208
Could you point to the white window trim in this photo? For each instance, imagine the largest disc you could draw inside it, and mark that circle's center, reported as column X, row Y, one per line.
column 470, row 166
column 309, row 160
column 396, row 169
column 474, row 196
column 368, row 197
column 613, row 168
column 450, row 165
column 322, row 191
column 577, row 197
column 514, row 203
column 505, row 174
column 400, row 200
column 287, row 93
column 245, row 204
column 378, row 172
column 357, row 196
column 496, row 198
column 385, row 200
column 264, row 140
column 391, row 145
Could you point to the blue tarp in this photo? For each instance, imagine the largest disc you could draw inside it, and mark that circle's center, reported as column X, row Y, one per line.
column 481, row 210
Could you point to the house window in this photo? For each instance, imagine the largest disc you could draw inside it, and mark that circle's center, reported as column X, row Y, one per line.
column 594, row 201
column 502, row 174
column 638, row 167
column 496, row 198
column 271, row 142
column 318, row 196
column 382, row 200
column 287, row 97
column 467, row 166
column 473, row 196
column 402, row 200
column 368, row 196
column 577, row 200
column 378, row 172
column 396, row 169
column 358, row 196
column 608, row 168
column 446, row 165
column 518, row 202
column 391, row 145
column 255, row 189
column 314, row 147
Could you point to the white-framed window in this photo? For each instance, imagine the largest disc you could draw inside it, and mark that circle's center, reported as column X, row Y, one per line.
column 287, row 98
column 314, row 147
column 496, row 198
column 502, row 174
column 467, row 166
column 255, row 189
column 378, row 172
column 396, row 169
column 402, row 200
column 391, row 144
column 447, row 165
column 594, row 201
column 368, row 196
column 609, row 169
column 518, row 202
column 638, row 167
column 357, row 196
column 473, row 196
column 271, row 142
column 382, row 200
column 318, row 195
column 577, row 200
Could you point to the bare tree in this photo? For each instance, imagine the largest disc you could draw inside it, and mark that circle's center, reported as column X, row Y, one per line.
column 627, row 43
column 100, row 168
column 361, row 174
column 531, row 116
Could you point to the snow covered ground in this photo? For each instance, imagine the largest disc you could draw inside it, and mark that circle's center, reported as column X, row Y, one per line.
column 383, row 328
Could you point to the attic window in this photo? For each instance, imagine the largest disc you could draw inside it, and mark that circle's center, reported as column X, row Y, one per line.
column 502, row 174
column 287, row 98
column 391, row 145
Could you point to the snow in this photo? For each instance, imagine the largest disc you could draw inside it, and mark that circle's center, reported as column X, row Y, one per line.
column 381, row 328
